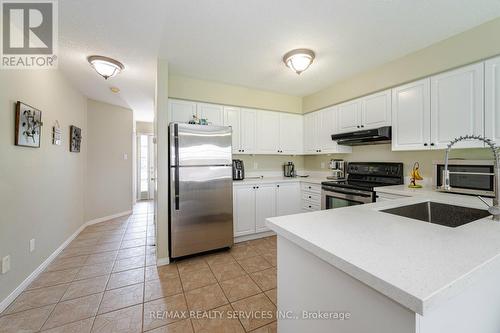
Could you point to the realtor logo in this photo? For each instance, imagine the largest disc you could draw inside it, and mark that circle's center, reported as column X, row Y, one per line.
column 29, row 34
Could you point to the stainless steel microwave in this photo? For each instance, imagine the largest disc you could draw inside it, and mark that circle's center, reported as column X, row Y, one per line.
column 474, row 177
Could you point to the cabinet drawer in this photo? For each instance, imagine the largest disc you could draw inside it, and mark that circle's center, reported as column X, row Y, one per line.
column 311, row 196
column 315, row 188
column 309, row 206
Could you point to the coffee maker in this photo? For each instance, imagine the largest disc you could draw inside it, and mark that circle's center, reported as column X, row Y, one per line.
column 338, row 169
column 289, row 169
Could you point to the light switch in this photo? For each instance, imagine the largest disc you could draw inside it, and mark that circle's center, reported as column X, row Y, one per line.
column 32, row 245
column 5, row 264
column 125, row 157
column 255, row 165
column 322, row 165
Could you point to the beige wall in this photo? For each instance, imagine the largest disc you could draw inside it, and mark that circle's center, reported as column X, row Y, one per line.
column 41, row 189
column 470, row 46
column 144, row 127
column 109, row 175
column 383, row 153
column 212, row 92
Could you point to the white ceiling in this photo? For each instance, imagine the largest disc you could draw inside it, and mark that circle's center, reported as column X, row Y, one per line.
column 242, row 42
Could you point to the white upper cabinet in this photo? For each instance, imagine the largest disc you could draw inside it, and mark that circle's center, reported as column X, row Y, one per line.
column 492, row 99
column 411, row 116
column 248, row 126
column 213, row 113
column 376, row 110
column 318, row 129
column 349, row 116
column 268, row 135
column 181, row 111
column 288, row 199
column 311, row 122
column 232, row 119
column 290, row 133
column 265, row 205
column 457, row 106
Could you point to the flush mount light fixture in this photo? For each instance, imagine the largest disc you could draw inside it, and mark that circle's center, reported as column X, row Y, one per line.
column 299, row 60
column 114, row 90
column 104, row 66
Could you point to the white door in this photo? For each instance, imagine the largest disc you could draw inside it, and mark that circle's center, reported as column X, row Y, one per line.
column 232, row 119
column 349, row 116
column 327, row 126
column 145, row 167
column 213, row 113
column 288, row 199
column 411, row 116
column 265, row 205
column 181, row 111
column 244, row 210
column 291, row 127
column 376, row 110
column 248, row 127
column 268, row 132
column 457, row 106
column 492, row 99
column 310, row 133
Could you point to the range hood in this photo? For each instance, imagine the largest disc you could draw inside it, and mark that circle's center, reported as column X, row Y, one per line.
column 365, row 137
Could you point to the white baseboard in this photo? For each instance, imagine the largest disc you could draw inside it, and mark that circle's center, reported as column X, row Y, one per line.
column 245, row 238
column 162, row 261
column 109, row 217
column 13, row 295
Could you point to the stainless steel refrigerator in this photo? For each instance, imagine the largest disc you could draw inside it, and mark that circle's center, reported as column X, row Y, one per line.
column 201, row 189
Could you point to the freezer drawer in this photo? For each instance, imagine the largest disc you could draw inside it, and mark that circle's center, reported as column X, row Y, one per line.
column 201, row 209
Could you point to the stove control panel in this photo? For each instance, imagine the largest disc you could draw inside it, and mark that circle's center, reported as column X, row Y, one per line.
column 375, row 169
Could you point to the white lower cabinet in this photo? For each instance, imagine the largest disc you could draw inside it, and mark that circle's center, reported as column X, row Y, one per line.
column 288, row 199
column 253, row 204
column 265, row 205
column 311, row 197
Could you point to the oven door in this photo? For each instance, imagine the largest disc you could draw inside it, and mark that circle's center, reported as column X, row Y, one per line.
column 337, row 197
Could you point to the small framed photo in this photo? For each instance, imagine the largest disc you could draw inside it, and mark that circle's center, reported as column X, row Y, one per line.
column 75, row 139
column 28, row 126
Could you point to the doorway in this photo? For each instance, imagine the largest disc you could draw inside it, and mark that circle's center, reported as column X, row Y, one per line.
column 145, row 167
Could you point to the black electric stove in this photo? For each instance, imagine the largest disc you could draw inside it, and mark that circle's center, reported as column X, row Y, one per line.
column 362, row 178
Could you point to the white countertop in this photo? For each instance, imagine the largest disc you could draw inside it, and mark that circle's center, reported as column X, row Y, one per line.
column 415, row 263
column 270, row 180
column 405, row 190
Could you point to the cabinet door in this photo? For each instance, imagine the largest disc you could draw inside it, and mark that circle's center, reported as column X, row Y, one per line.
column 268, row 132
column 288, row 199
column 244, row 210
column 349, row 117
column 290, row 133
column 411, row 116
column 248, row 127
column 265, row 205
column 457, row 106
column 213, row 113
column 327, row 127
column 181, row 111
column 232, row 119
column 492, row 99
column 310, row 136
column 376, row 110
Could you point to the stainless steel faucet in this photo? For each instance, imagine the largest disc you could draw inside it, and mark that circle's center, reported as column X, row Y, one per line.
column 495, row 209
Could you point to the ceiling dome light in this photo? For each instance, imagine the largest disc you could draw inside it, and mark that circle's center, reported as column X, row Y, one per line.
column 104, row 66
column 299, row 60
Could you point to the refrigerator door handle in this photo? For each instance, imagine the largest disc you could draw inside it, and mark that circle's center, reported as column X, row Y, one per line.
column 176, row 171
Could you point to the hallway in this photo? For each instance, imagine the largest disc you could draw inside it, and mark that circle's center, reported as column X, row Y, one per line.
column 106, row 281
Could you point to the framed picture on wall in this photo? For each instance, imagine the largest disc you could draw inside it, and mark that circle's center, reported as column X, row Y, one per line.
column 28, row 126
column 75, row 139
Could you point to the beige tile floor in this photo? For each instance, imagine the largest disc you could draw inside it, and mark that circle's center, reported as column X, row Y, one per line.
column 106, row 281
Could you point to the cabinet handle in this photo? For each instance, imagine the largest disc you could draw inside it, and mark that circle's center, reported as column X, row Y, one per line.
column 309, row 197
column 277, row 186
column 425, row 144
column 357, row 126
column 310, row 207
column 362, row 126
column 432, row 143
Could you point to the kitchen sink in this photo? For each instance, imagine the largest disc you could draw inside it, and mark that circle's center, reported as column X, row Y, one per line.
column 439, row 213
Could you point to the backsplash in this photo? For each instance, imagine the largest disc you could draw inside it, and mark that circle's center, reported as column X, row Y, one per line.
column 383, row 153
